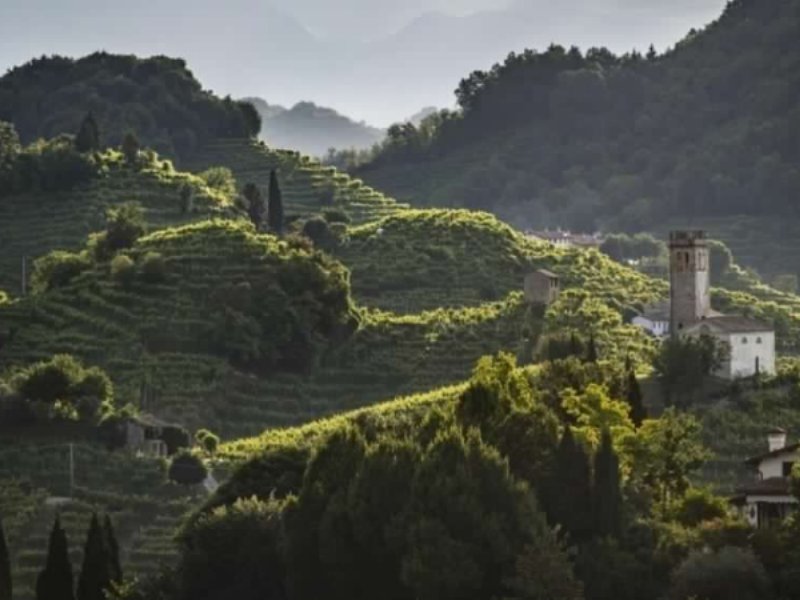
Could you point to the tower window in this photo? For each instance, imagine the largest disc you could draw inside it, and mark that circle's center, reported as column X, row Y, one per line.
column 758, row 341
column 744, row 340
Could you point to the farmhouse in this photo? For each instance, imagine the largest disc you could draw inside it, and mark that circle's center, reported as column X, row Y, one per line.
column 542, row 287
column 768, row 500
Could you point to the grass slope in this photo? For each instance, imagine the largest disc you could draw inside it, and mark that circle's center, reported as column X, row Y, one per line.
column 308, row 187
column 33, row 224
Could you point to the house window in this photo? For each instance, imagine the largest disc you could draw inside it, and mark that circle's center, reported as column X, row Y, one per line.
column 758, row 341
column 787, row 468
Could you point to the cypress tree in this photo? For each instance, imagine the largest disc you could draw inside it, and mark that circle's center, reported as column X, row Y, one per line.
column 275, row 207
column 571, row 489
column 607, row 495
column 88, row 138
column 130, row 148
column 55, row 580
column 95, row 575
column 634, row 398
column 5, row 567
column 255, row 204
column 591, row 352
column 115, row 567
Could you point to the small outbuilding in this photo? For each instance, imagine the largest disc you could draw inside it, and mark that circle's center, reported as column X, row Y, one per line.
column 542, row 287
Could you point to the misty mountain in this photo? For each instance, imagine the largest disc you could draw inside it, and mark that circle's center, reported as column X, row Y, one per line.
column 312, row 129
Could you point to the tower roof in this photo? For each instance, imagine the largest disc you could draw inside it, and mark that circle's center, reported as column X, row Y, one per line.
column 687, row 237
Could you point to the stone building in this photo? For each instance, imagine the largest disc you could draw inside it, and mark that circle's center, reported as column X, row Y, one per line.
column 542, row 287
column 751, row 342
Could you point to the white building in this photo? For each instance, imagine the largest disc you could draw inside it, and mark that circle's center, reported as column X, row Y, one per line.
column 654, row 320
column 751, row 342
column 767, row 500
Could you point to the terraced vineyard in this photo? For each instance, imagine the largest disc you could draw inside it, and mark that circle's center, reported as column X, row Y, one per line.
column 308, row 186
column 33, row 224
column 35, row 485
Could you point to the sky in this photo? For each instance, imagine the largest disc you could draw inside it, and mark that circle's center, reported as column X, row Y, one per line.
column 375, row 60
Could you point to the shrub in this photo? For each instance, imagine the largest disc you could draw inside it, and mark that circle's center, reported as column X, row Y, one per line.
column 154, row 269
column 176, row 438
column 125, row 225
column 64, row 379
column 729, row 573
column 317, row 230
column 57, row 269
column 699, row 505
column 221, row 179
column 335, row 215
column 208, row 440
column 187, row 469
column 123, row 270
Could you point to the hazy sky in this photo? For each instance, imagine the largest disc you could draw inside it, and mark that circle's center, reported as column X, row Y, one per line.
column 376, row 60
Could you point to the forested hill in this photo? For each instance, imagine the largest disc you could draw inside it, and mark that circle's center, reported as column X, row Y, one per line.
column 591, row 140
column 158, row 98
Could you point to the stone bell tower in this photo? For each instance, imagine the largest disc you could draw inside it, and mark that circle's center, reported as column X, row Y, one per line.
column 689, row 266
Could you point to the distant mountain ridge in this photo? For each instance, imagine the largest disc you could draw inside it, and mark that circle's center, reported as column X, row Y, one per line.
column 312, row 129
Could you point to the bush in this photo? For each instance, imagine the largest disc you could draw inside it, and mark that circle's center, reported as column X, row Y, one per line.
column 57, row 269
column 208, row 440
column 335, row 215
column 187, row 469
column 697, row 506
column 317, row 230
column 64, row 379
column 729, row 573
column 123, row 270
column 176, row 438
column 221, row 179
column 125, row 225
column 154, row 269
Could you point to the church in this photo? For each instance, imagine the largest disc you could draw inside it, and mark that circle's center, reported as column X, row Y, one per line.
column 751, row 342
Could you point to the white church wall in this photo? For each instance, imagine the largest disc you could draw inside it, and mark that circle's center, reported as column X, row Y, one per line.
column 749, row 348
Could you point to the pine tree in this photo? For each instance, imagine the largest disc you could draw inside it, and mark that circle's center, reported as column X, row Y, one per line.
column 115, row 567
column 55, row 581
column 5, row 567
column 275, row 208
column 88, row 138
column 255, row 204
column 634, row 398
column 95, row 575
column 606, row 494
column 570, row 492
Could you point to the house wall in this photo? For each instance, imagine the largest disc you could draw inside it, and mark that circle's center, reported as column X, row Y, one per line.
column 745, row 348
column 657, row 328
column 541, row 289
column 773, row 466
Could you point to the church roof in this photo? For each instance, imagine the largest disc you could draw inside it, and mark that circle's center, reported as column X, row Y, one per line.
column 657, row 312
column 736, row 324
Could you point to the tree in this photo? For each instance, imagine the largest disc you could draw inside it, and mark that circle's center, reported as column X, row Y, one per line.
column 95, row 575
column 55, row 580
column 130, row 148
column 114, row 565
column 633, row 396
column 275, row 208
column 570, row 490
column 591, row 352
column 88, row 137
column 5, row 567
column 607, row 494
column 683, row 363
column 255, row 204
column 187, row 469
column 730, row 573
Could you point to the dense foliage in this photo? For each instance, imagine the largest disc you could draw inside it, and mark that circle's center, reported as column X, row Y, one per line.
column 157, row 97
column 592, row 139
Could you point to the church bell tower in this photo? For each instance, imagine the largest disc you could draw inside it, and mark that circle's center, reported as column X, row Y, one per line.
column 690, row 286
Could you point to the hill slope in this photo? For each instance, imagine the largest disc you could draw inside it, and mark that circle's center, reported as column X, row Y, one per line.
column 587, row 141
column 35, row 222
